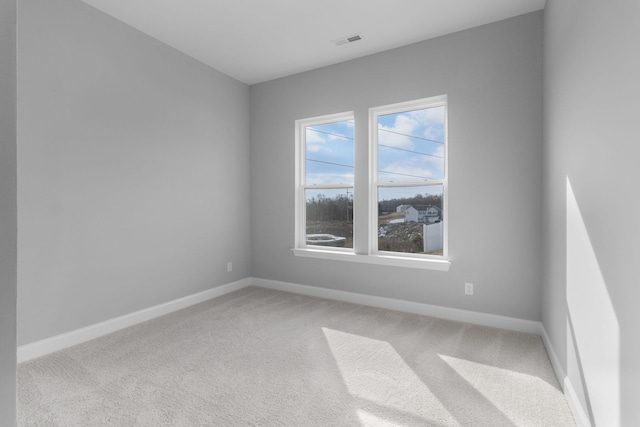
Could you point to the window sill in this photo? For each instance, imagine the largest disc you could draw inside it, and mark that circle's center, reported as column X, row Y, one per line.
column 391, row 260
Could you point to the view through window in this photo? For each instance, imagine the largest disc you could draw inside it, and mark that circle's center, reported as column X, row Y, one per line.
column 328, row 182
column 411, row 147
column 406, row 172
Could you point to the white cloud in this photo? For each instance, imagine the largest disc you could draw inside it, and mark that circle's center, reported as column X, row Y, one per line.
column 315, row 138
column 337, row 137
column 413, row 169
column 428, row 116
column 439, row 152
column 427, row 123
column 431, row 122
column 329, row 178
column 317, row 142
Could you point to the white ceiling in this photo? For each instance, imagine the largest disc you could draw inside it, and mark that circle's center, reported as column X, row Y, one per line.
column 259, row 40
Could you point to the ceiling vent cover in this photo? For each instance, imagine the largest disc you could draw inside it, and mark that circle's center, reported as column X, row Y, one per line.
column 347, row 39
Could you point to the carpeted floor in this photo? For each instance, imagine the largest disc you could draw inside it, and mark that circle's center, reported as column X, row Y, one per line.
column 259, row 357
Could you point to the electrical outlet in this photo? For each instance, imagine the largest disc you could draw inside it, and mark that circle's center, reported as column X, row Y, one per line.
column 468, row 288
column 229, row 266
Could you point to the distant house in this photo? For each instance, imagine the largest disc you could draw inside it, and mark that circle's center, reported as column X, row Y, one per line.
column 421, row 213
column 402, row 208
column 428, row 213
column 411, row 214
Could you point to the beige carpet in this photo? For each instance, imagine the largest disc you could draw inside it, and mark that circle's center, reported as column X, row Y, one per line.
column 258, row 357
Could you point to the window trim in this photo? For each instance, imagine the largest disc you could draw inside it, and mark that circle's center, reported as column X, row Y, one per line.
column 370, row 218
column 390, row 260
column 300, row 184
column 374, row 183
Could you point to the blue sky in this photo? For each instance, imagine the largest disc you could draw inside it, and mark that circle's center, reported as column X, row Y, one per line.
column 330, row 153
column 411, row 148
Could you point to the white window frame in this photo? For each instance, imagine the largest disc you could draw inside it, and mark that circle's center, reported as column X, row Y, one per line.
column 369, row 173
column 301, row 186
column 375, row 184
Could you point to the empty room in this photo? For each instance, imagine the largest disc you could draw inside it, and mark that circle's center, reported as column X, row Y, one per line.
column 297, row 213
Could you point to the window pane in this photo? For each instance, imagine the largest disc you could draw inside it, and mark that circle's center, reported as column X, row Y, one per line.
column 329, row 153
column 330, row 217
column 411, row 145
column 410, row 219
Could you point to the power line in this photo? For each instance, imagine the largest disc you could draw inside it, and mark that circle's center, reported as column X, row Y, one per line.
column 383, row 171
column 410, row 136
column 379, row 128
column 411, row 151
column 329, row 163
column 405, row 174
column 329, row 133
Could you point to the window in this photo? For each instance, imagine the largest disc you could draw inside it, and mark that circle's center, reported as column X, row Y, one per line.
column 324, row 213
column 408, row 149
column 406, row 211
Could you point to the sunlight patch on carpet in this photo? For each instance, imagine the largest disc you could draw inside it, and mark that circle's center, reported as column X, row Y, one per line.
column 373, row 371
column 509, row 391
column 367, row 419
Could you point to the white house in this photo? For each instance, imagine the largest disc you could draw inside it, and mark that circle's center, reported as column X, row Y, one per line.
column 411, row 214
column 420, row 213
column 428, row 213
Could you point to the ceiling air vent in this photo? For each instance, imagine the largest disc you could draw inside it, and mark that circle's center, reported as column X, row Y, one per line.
column 347, row 39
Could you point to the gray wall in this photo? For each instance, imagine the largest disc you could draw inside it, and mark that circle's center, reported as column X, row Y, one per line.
column 493, row 77
column 591, row 211
column 133, row 184
column 8, row 227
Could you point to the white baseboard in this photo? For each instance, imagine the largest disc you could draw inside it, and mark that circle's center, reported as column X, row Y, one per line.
column 553, row 357
column 78, row 336
column 484, row 319
column 49, row 345
column 455, row 314
column 579, row 414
